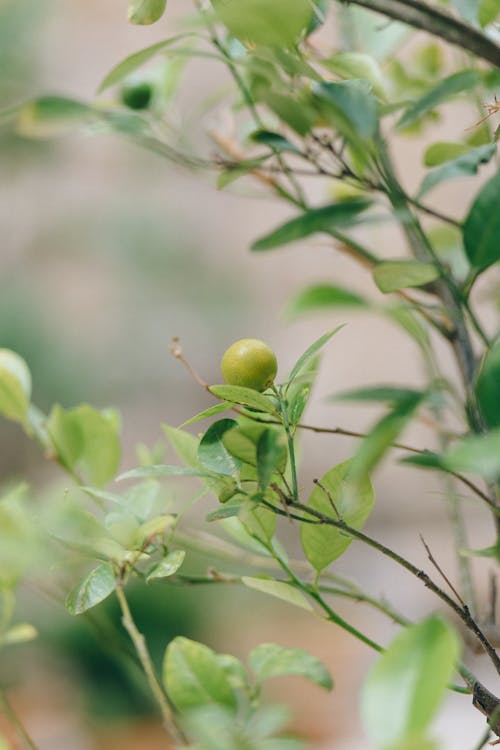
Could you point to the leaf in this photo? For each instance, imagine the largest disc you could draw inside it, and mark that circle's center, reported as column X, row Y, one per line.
column 407, row 683
column 236, row 394
column 388, row 393
column 270, row 660
column 270, row 450
column 488, row 387
column 304, row 360
column 275, row 141
column 353, row 106
column 442, row 151
column 168, row 566
column 131, row 63
column 482, row 226
column 193, row 676
column 276, row 24
column 96, row 587
column 383, row 434
column 392, row 275
column 478, row 454
column 468, row 9
column 184, row 445
column 161, row 470
column 357, row 65
column 464, row 165
column 212, row 452
column 322, row 297
column 278, row 589
column 444, row 90
column 21, row 632
column 259, row 522
column 15, row 386
column 322, row 544
column 489, row 10
column 50, row 116
column 212, row 411
column 146, row 12
column 86, row 441
column 315, row 220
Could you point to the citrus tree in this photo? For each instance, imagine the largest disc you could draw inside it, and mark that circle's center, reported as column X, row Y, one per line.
column 305, row 107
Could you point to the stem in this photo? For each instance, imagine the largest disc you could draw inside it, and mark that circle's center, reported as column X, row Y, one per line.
column 438, row 23
column 16, row 722
column 141, row 648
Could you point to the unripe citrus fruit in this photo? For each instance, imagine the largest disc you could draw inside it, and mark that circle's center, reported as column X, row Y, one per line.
column 137, row 95
column 249, row 363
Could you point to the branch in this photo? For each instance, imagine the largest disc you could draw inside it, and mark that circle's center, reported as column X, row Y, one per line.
column 430, row 19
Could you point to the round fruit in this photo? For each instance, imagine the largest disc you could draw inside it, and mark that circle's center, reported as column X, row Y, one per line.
column 249, row 363
column 137, row 95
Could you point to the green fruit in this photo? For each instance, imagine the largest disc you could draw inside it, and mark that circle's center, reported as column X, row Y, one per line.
column 249, row 363
column 137, row 95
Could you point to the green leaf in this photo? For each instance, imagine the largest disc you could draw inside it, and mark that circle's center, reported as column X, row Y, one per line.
column 278, row 589
column 392, row 275
column 383, row 434
column 86, row 441
column 320, row 297
column 407, row 683
column 296, row 112
column 131, row 63
column 259, row 522
column 50, row 116
column 270, row 450
column 168, row 566
column 351, row 106
column 444, row 90
column 482, row 226
column 21, row 632
column 275, row 141
column 184, row 444
column 442, row 151
column 478, row 454
column 276, row 24
column 96, row 587
column 15, row 386
column 357, row 65
column 145, row 12
column 489, row 10
column 270, row 660
column 322, row 544
column 161, row 470
column 468, row 9
column 299, row 392
column 212, row 452
column 488, row 387
column 206, row 414
column 388, row 393
column 315, row 220
column 236, row 394
column 310, row 353
column 464, row 165
column 193, row 676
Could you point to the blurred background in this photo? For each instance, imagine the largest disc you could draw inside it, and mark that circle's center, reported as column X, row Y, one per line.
column 107, row 253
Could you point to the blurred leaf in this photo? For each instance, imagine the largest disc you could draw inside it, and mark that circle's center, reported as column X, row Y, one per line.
column 162, row 470
column 15, row 386
column 362, row 31
column 310, row 353
column 357, row 65
column 407, row 319
column 270, row 660
column 131, row 63
column 145, row 12
column 468, row 9
column 168, row 566
column 278, row 589
column 464, row 165
column 489, row 10
column 86, row 440
column 51, row 116
column 478, row 454
column 315, row 220
column 455, row 84
column 443, row 151
column 236, row 394
column 206, row 414
column 322, row 297
column 295, row 111
column 270, row 450
column 407, row 683
column 276, row 24
column 392, row 275
column 388, row 393
column 154, row 527
column 193, row 676
column 22, row 632
column 259, row 522
column 95, row 587
column 299, row 392
column 488, row 387
column 184, row 445
column 352, row 105
column 322, row 544
column 212, row 452
column 482, row 226
column 275, row 141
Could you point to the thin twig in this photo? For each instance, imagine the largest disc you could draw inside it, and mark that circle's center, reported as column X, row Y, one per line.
column 16, row 722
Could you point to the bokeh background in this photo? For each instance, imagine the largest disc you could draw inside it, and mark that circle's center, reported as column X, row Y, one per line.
column 107, row 253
